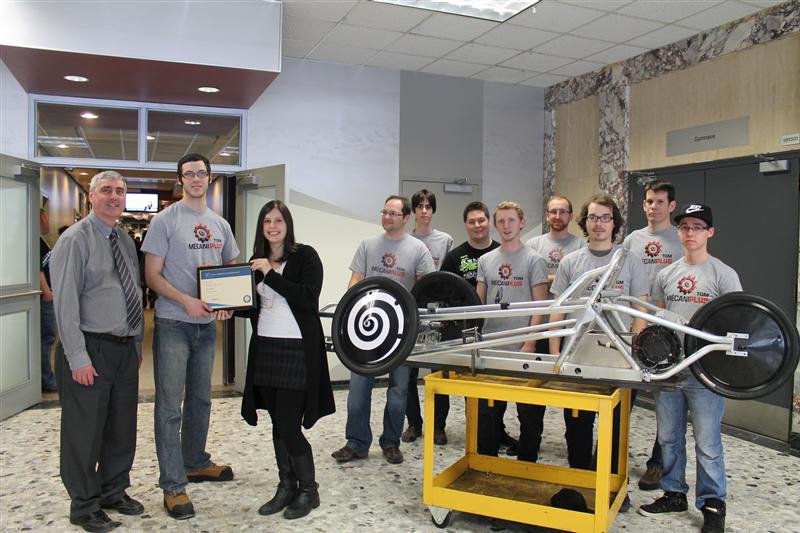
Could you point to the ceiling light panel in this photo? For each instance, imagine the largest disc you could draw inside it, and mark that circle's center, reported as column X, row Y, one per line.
column 88, row 115
column 495, row 10
column 208, row 89
column 76, row 78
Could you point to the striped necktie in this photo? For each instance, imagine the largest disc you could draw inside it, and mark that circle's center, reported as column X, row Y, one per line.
column 133, row 300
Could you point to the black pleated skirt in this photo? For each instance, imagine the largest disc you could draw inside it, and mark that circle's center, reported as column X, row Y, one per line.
column 278, row 362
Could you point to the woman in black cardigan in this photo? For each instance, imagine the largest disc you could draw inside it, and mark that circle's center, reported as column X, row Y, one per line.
column 287, row 369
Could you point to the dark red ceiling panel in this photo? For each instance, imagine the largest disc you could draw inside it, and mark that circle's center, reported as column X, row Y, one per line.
column 119, row 78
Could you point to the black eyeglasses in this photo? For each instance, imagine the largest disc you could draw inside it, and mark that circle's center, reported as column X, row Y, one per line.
column 192, row 175
column 602, row 218
column 684, row 228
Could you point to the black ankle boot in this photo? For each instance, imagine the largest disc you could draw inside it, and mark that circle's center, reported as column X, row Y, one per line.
column 287, row 488
column 308, row 495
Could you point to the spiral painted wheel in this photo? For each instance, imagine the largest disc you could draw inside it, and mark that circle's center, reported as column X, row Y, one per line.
column 375, row 326
column 772, row 346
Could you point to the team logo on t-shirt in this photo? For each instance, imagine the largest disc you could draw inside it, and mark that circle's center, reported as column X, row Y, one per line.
column 389, row 260
column 202, row 233
column 687, row 284
column 652, row 248
column 555, row 255
column 505, row 270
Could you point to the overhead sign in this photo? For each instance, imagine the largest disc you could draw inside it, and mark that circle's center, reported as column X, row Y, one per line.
column 725, row 134
column 790, row 138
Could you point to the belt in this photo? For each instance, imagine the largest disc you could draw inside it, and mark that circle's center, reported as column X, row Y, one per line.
column 109, row 337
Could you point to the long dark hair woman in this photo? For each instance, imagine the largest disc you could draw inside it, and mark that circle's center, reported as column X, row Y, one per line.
column 287, row 368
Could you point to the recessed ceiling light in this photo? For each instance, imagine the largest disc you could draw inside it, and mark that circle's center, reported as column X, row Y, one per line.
column 89, row 115
column 84, row 173
column 224, row 154
column 62, row 146
column 192, row 122
column 151, row 138
column 481, row 9
column 208, row 89
column 76, row 78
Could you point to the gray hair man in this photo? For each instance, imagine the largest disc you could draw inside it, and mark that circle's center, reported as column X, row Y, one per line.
column 98, row 308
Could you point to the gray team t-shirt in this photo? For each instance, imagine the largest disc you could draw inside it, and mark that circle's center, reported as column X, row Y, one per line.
column 186, row 240
column 509, row 278
column 632, row 280
column 684, row 288
column 438, row 244
column 402, row 260
column 553, row 250
column 656, row 250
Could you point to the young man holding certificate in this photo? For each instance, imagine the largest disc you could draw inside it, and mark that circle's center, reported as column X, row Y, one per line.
column 182, row 237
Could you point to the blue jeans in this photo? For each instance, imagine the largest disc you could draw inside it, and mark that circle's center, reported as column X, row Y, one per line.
column 672, row 409
column 48, row 329
column 183, row 358
column 359, row 403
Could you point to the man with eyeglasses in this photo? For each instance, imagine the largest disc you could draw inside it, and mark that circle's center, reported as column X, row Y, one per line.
column 601, row 220
column 683, row 288
column 182, row 237
column 557, row 242
column 396, row 255
column 438, row 243
column 657, row 246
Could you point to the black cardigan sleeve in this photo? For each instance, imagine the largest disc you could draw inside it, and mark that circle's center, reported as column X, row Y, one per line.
column 306, row 268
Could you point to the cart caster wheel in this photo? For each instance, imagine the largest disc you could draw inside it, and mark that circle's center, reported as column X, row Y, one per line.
column 440, row 516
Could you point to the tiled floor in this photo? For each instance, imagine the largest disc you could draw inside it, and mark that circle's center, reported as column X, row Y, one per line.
column 369, row 495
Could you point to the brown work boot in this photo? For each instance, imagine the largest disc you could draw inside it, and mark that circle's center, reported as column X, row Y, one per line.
column 651, row 479
column 346, row 453
column 393, row 455
column 213, row 472
column 178, row 505
column 411, row 434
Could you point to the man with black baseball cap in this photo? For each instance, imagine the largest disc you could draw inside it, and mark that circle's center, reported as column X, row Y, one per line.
column 684, row 287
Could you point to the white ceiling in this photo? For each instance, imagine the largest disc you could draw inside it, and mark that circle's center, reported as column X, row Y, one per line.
column 560, row 40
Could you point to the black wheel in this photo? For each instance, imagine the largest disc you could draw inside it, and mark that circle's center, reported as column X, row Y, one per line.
column 441, row 524
column 447, row 290
column 375, row 326
column 772, row 347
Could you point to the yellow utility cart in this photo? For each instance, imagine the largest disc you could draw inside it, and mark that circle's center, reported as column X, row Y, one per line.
column 520, row 491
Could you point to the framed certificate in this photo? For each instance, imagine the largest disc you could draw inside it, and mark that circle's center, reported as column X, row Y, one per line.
column 227, row 287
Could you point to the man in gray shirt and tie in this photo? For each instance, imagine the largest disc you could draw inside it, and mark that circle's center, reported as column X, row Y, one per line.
column 98, row 307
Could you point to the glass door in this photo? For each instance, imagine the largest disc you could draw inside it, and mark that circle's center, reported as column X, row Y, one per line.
column 254, row 188
column 20, row 368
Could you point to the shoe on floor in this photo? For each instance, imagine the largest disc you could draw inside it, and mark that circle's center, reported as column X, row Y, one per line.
column 346, row 453
column 125, row 505
column 178, row 506
column 713, row 516
column 96, row 522
column 411, row 434
column 512, row 450
column 213, row 472
column 651, row 479
column 439, row 437
column 670, row 502
column 393, row 455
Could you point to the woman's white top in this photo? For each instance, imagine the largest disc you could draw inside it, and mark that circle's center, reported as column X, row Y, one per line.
column 275, row 318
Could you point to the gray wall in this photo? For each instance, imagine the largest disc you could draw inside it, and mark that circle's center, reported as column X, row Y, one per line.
column 13, row 115
column 441, row 127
